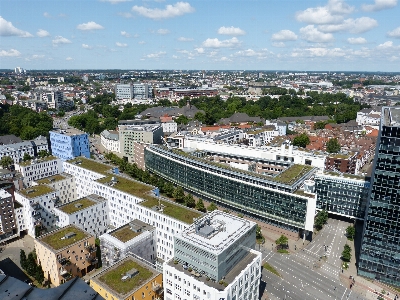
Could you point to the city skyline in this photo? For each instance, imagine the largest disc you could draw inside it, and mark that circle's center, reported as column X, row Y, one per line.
column 250, row 35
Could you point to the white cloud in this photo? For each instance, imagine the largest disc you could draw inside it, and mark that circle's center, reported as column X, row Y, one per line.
column 49, row 16
column 386, row 45
column 199, row 50
column 42, row 33
column 359, row 25
column 175, row 57
column 118, row 44
column 251, row 53
column 216, row 43
column 8, row 29
column 89, row 26
column 325, row 52
column 279, row 44
column 86, row 46
column 329, row 14
column 136, row 35
column 69, row 58
column 170, row 11
column 60, row 40
column 126, row 15
column 37, row 56
column 125, row 34
column 115, row 1
column 379, row 5
column 155, row 55
column 235, row 31
column 46, row 15
column 224, row 58
column 10, row 53
column 183, row 39
column 141, row 42
column 312, row 34
column 284, row 35
column 394, row 33
column 163, row 31
column 357, row 41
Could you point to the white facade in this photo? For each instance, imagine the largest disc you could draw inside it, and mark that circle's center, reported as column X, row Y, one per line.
column 124, row 91
column 16, row 151
column 36, row 169
column 92, row 219
column 169, row 126
column 110, row 140
column 261, row 138
column 181, row 284
column 368, row 117
column 64, row 184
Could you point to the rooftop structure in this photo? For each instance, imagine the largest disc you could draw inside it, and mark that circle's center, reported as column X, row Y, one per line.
column 37, row 160
column 36, row 191
column 63, row 237
column 77, row 205
column 130, row 230
column 51, row 179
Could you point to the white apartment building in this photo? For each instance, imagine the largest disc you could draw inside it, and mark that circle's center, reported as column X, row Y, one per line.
column 64, row 184
column 142, row 91
column 110, row 140
column 38, row 207
column 89, row 213
column 169, row 126
column 258, row 138
column 17, row 151
column 125, row 202
column 214, row 258
column 368, row 116
column 124, row 91
column 135, row 237
column 39, row 168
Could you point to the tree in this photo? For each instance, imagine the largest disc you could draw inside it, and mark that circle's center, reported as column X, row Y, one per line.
column 179, row 194
column 182, row 120
column 200, row 206
column 22, row 259
column 98, row 252
column 43, row 153
column 258, row 233
column 26, row 157
column 199, row 116
column 31, row 264
column 38, row 230
column 39, row 274
column 212, row 207
column 333, row 146
column 320, row 124
column 6, row 161
column 282, row 241
column 350, row 232
column 321, row 219
column 189, row 201
column 346, row 254
column 301, row 140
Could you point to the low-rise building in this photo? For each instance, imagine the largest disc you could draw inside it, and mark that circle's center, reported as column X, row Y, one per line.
column 63, row 183
column 70, row 143
column 110, row 140
column 66, row 253
column 134, row 237
column 89, row 213
column 128, row 279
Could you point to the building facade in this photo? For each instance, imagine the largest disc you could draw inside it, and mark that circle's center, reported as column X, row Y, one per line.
column 124, row 91
column 67, row 144
column 380, row 245
column 8, row 226
column 64, row 184
column 110, row 140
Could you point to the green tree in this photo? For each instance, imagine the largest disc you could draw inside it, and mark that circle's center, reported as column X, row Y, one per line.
column 6, row 161
column 182, row 120
column 26, row 157
column 179, row 194
column 282, row 241
column 189, row 201
column 168, row 189
column 200, row 206
column 333, row 146
column 346, row 254
column 43, row 153
column 38, row 230
column 259, row 235
column 320, row 124
column 31, row 264
column 22, row 259
column 212, row 207
column 301, row 140
column 350, row 232
column 98, row 252
column 320, row 219
column 199, row 116
column 39, row 274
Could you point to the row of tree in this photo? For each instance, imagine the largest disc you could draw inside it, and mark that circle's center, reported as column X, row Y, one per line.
column 321, row 219
column 30, row 266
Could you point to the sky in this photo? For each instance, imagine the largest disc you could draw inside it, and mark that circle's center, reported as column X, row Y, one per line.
column 326, row 35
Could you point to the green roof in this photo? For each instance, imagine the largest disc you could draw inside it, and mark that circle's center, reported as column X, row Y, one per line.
column 292, row 174
column 178, row 212
column 53, row 239
column 35, row 191
column 51, row 179
column 39, row 160
column 125, row 234
column 126, row 185
column 345, row 175
column 91, row 165
column 73, row 207
column 112, row 277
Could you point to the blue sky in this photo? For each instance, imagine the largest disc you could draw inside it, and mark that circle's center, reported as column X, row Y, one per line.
column 236, row 35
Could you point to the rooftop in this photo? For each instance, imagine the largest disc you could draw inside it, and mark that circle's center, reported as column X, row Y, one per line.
column 51, row 179
column 76, row 205
column 36, row 191
column 292, row 174
column 130, row 230
column 112, row 277
column 90, row 164
column 37, row 160
column 69, row 131
column 57, row 239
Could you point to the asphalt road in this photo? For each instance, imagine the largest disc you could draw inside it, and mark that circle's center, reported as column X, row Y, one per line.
column 305, row 275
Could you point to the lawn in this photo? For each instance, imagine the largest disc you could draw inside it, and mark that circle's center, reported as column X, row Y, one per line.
column 129, row 186
column 35, row 191
column 293, row 173
column 51, row 179
column 54, row 240
column 175, row 211
column 112, row 278
column 91, row 165
column 70, row 208
column 270, row 268
column 125, row 234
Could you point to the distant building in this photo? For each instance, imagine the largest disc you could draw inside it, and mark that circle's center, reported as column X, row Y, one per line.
column 142, row 91
column 67, row 144
column 110, row 140
column 17, row 150
column 124, row 91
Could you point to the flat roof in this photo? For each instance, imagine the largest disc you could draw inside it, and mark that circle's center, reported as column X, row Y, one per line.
column 76, row 205
column 111, row 277
column 90, row 164
column 37, row 161
column 131, row 230
column 53, row 239
column 51, row 179
column 69, row 132
column 216, row 231
column 36, row 191
column 390, row 116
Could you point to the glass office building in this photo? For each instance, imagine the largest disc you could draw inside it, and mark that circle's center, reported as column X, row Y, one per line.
column 342, row 195
column 380, row 248
column 243, row 191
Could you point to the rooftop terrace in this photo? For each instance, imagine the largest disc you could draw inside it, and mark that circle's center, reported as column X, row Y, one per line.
column 76, row 205
column 53, row 239
column 36, row 191
column 91, row 165
column 125, row 233
column 51, row 179
column 37, row 160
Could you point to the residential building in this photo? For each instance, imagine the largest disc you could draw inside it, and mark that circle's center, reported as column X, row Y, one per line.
column 66, row 253
column 110, row 140
column 64, row 184
column 380, row 244
column 138, row 154
column 136, row 237
column 368, row 116
column 169, row 126
column 39, row 168
column 128, row 279
column 345, row 163
column 146, row 133
column 89, row 213
column 142, row 91
column 214, row 258
column 70, row 143
column 8, row 227
column 124, row 91
column 342, row 194
column 261, row 136
column 267, row 198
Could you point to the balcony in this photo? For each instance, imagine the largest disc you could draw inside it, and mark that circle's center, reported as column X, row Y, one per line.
column 65, row 274
column 91, row 248
column 37, row 216
column 36, row 206
column 92, row 260
column 157, row 288
column 64, row 261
